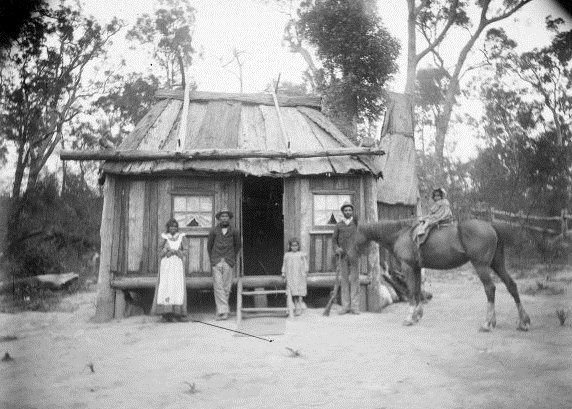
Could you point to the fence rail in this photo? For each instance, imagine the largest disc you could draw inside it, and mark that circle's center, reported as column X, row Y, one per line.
column 525, row 220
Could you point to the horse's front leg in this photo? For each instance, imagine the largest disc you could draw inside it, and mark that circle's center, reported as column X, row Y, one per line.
column 491, row 319
column 413, row 277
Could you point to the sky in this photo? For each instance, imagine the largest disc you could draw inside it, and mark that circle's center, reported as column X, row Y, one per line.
column 256, row 27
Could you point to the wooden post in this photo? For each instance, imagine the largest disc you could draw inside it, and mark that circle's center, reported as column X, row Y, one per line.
column 105, row 301
column 239, row 300
column 374, row 296
column 564, row 223
column 182, row 137
column 119, row 304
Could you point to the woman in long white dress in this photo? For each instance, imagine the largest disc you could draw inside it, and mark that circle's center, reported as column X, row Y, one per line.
column 170, row 299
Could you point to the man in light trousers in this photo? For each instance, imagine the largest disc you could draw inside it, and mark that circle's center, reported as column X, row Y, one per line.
column 223, row 245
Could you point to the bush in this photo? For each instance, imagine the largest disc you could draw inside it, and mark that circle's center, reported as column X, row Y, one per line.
column 53, row 233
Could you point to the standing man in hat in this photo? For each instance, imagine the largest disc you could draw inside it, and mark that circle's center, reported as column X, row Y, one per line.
column 343, row 237
column 223, row 245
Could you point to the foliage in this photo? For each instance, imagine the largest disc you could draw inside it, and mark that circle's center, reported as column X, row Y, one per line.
column 129, row 98
column 17, row 16
column 526, row 162
column 435, row 21
column 170, row 33
column 54, row 229
column 546, row 72
column 356, row 52
column 42, row 84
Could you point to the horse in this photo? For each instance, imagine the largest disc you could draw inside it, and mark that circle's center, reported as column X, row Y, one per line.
column 446, row 247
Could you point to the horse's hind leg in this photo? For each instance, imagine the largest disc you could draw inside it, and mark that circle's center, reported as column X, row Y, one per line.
column 500, row 270
column 413, row 277
column 485, row 276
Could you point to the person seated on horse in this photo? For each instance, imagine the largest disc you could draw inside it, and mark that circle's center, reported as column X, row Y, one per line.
column 440, row 211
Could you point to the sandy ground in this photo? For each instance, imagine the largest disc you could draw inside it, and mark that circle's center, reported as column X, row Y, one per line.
column 365, row 361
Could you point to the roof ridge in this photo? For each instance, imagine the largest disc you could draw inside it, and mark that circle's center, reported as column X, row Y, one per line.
column 313, row 101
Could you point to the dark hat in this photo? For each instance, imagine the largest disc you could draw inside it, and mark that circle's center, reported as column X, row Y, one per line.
column 230, row 215
column 347, row 204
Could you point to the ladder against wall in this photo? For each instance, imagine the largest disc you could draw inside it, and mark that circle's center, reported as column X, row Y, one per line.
column 254, row 311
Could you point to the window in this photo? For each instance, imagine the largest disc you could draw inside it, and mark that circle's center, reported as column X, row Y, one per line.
column 193, row 211
column 327, row 208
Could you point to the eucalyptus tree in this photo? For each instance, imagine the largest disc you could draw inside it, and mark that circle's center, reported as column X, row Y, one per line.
column 168, row 32
column 356, row 56
column 436, row 21
column 42, row 83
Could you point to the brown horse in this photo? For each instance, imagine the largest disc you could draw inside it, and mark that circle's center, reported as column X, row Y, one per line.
column 446, row 247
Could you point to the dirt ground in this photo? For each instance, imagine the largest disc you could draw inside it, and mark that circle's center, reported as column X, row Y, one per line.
column 62, row 360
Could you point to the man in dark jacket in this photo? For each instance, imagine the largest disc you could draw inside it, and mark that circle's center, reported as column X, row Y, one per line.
column 223, row 245
column 344, row 234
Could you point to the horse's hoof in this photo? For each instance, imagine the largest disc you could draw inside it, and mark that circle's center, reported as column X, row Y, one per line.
column 408, row 323
column 523, row 327
column 494, row 322
column 485, row 328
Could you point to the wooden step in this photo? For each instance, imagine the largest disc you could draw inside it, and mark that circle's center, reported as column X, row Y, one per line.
column 257, row 292
column 265, row 309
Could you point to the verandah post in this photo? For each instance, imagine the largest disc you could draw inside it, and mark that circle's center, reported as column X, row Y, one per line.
column 374, row 297
column 105, row 302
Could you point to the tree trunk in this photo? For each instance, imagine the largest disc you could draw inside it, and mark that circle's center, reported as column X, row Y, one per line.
column 19, row 174
column 411, row 49
column 64, row 171
column 33, row 174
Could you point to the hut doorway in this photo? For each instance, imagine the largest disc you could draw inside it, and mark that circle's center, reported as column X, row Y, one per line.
column 262, row 225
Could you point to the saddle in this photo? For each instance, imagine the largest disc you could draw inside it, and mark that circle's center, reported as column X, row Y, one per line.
column 420, row 234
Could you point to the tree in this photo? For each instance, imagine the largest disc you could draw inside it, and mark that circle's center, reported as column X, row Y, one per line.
column 429, row 97
column 547, row 71
column 522, row 167
column 356, row 56
column 434, row 21
column 42, row 90
column 238, row 59
column 17, row 16
column 42, row 85
column 127, row 100
column 170, row 33
column 543, row 117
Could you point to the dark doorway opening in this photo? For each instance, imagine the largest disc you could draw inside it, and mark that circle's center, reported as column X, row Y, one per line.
column 262, row 225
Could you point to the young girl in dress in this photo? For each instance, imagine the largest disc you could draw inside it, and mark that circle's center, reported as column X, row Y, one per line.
column 170, row 299
column 294, row 270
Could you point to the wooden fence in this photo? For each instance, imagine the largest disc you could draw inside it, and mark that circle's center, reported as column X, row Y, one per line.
column 557, row 225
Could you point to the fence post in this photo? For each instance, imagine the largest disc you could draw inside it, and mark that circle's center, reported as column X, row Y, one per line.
column 521, row 220
column 564, row 222
column 492, row 214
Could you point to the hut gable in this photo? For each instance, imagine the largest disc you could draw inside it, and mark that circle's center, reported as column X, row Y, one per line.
column 245, row 122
